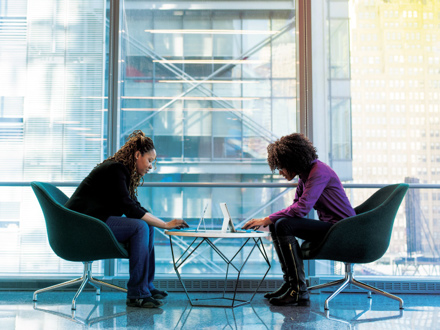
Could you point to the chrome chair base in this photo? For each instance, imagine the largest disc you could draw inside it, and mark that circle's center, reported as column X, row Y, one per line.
column 350, row 280
column 84, row 279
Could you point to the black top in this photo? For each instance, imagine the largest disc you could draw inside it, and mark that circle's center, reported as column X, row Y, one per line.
column 104, row 193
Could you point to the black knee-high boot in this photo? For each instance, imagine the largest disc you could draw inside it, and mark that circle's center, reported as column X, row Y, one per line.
column 285, row 286
column 297, row 293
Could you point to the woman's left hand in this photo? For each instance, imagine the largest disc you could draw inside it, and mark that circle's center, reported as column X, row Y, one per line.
column 257, row 223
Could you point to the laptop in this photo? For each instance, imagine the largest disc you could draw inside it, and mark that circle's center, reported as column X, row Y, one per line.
column 227, row 226
column 198, row 229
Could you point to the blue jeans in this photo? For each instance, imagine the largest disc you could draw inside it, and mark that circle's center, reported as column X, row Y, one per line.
column 139, row 237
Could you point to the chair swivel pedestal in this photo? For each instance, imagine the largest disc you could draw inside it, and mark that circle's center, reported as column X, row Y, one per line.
column 349, row 279
column 84, row 279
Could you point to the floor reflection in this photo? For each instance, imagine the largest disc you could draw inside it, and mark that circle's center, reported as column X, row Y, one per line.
column 349, row 311
column 175, row 314
column 245, row 317
column 366, row 317
column 103, row 314
column 99, row 312
column 352, row 317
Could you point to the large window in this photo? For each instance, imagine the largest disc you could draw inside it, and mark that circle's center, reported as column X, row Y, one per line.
column 52, row 59
column 395, row 114
column 212, row 87
column 213, row 83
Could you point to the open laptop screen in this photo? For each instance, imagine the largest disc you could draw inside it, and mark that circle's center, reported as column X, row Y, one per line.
column 227, row 220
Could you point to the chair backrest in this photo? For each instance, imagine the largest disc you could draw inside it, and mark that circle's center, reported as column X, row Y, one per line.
column 364, row 237
column 74, row 236
column 380, row 196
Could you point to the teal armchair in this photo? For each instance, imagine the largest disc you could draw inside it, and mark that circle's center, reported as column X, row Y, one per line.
column 360, row 239
column 76, row 237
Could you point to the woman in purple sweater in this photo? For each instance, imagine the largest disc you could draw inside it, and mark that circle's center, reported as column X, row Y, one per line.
column 319, row 188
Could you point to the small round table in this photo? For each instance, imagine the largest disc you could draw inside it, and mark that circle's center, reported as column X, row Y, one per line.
column 206, row 236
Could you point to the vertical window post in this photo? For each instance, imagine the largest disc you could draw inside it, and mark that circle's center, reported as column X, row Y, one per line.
column 113, row 78
column 113, row 97
column 304, row 67
column 304, row 49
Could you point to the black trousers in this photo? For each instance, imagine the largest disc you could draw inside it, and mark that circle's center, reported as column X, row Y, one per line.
column 285, row 230
column 306, row 229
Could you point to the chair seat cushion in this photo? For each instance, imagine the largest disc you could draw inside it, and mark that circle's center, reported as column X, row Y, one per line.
column 307, row 245
column 308, row 248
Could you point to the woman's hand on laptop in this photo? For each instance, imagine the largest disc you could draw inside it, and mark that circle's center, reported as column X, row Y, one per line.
column 177, row 224
column 257, row 223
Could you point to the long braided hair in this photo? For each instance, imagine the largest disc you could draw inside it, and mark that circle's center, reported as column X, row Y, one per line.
column 292, row 152
column 137, row 141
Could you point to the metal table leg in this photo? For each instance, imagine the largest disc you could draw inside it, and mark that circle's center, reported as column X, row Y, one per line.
column 177, row 263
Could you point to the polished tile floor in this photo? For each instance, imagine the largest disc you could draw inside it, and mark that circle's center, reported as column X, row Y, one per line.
column 108, row 311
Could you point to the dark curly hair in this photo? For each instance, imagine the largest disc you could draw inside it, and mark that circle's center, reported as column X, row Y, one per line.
column 292, row 152
column 137, row 141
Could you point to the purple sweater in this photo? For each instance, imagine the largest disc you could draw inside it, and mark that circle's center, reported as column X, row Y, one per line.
column 322, row 190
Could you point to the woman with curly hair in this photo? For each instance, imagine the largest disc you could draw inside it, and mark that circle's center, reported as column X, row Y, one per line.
column 318, row 187
column 108, row 193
